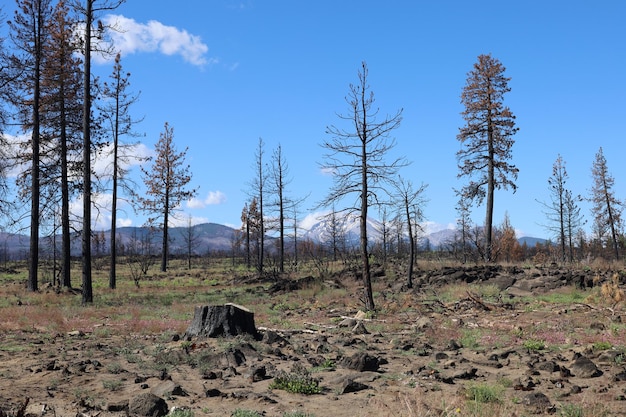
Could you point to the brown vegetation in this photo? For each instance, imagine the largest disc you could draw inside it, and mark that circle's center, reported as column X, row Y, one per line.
column 465, row 341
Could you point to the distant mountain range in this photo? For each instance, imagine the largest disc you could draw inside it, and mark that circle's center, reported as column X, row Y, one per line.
column 212, row 237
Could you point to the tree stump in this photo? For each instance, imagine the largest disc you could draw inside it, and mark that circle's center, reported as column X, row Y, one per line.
column 225, row 320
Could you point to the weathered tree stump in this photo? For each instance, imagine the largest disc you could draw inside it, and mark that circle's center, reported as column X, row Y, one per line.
column 225, row 320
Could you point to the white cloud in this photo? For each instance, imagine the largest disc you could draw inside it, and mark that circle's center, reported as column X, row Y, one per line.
column 134, row 37
column 184, row 220
column 124, row 222
column 213, row 198
column 194, row 203
column 128, row 156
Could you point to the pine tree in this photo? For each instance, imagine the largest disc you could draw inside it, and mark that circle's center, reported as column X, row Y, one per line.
column 61, row 119
column 166, row 182
column 29, row 35
column 607, row 209
column 487, row 138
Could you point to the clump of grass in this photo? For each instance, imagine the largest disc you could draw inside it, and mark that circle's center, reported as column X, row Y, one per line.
column 112, row 385
column 602, row 345
column 533, row 345
column 115, row 368
column 484, row 393
column 572, row 410
column 327, row 365
column 299, row 381
column 297, row 414
column 470, row 338
column 240, row 412
column 181, row 412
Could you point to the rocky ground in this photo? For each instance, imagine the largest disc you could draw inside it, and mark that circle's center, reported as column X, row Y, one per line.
column 509, row 352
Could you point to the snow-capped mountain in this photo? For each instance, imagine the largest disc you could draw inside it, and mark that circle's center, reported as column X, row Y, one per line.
column 346, row 226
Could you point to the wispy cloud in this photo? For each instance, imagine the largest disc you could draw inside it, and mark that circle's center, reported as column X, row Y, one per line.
column 213, row 198
column 134, row 37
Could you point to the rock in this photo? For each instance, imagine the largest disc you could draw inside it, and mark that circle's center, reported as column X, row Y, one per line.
column 257, row 373
column 361, row 362
column 147, row 405
column 583, row 367
column 454, row 345
column 225, row 320
column 548, row 366
column 538, row 403
column 270, row 337
column 349, row 385
column 348, row 322
column 231, row 358
column 168, row 388
column 214, row 392
column 118, row 406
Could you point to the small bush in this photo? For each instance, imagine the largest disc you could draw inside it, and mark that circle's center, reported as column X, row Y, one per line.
column 327, row 365
column 112, row 385
column 299, row 381
column 240, row 412
column 571, row 410
column 603, row 345
column 534, row 345
column 484, row 393
column 297, row 414
column 181, row 412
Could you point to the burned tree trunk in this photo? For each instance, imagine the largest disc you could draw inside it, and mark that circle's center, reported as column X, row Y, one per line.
column 225, row 320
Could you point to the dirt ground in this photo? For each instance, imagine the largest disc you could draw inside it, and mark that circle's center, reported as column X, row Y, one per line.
column 421, row 355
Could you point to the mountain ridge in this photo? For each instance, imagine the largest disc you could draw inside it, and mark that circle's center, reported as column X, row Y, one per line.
column 214, row 237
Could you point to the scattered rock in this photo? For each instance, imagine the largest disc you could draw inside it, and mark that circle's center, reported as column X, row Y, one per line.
column 168, row 388
column 583, row 367
column 538, row 403
column 257, row 373
column 347, row 322
column 117, row 406
column 271, row 337
column 361, row 362
column 214, row 392
column 349, row 385
column 147, row 405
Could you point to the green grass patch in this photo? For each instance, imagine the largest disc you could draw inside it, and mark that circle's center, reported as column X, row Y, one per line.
column 241, row 412
column 534, row 345
column 602, row 345
column 299, row 381
column 484, row 393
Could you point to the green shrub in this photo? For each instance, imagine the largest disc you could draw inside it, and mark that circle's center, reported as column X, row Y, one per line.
column 240, row 412
column 571, row 410
column 534, row 345
column 484, row 393
column 112, row 385
column 602, row 345
column 181, row 412
column 299, row 381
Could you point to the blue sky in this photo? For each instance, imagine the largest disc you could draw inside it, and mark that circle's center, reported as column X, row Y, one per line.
column 224, row 73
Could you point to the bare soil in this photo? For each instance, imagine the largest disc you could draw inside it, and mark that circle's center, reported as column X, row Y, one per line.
column 515, row 352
